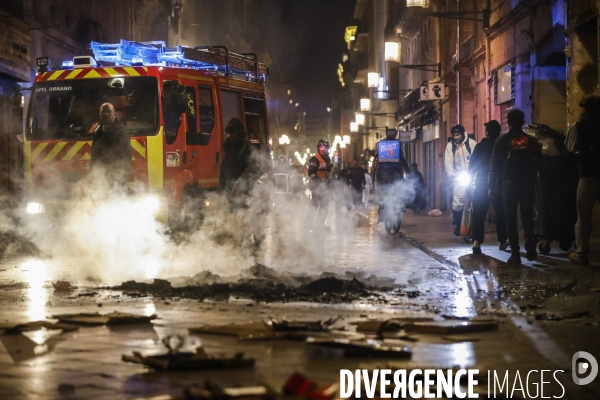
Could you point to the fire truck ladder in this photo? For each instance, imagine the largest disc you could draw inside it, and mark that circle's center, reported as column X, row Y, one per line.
column 210, row 58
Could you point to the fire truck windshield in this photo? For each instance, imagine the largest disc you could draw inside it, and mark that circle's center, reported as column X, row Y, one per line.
column 69, row 109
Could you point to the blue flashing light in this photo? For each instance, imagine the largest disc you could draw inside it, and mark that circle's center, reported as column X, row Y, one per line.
column 156, row 53
column 67, row 64
column 137, row 61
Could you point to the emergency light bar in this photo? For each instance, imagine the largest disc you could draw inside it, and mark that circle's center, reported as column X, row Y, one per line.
column 217, row 58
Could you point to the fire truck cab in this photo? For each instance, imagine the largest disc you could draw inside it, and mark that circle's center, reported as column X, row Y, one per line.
column 174, row 104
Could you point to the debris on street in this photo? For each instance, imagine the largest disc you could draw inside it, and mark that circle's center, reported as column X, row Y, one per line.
column 212, row 390
column 62, row 285
column 299, row 385
column 34, row 326
column 114, row 318
column 188, row 361
column 364, row 348
column 451, row 327
column 257, row 330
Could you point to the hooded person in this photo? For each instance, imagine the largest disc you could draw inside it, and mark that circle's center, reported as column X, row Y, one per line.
column 456, row 163
column 236, row 160
column 319, row 169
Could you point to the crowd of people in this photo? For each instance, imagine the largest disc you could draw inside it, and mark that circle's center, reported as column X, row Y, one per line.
column 501, row 170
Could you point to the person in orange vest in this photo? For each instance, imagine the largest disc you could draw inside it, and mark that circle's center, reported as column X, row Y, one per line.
column 319, row 168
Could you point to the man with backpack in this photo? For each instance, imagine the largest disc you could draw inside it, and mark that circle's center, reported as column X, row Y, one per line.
column 516, row 158
column 583, row 138
column 456, row 162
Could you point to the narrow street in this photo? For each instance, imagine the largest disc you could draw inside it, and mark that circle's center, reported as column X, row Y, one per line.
column 424, row 273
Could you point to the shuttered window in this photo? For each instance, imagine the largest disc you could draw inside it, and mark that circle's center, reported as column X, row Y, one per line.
column 231, row 105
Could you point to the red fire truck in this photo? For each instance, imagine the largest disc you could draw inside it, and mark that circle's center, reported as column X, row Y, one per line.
column 174, row 104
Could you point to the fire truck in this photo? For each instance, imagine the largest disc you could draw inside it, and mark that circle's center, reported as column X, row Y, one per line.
column 174, row 104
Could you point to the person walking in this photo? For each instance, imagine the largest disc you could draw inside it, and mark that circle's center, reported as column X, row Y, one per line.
column 357, row 182
column 516, row 159
column 583, row 138
column 479, row 168
column 420, row 189
column 456, row 162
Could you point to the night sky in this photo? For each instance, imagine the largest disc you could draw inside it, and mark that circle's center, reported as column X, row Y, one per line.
column 311, row 46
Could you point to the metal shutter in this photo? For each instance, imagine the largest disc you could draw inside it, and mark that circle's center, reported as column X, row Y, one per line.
column 230, row 105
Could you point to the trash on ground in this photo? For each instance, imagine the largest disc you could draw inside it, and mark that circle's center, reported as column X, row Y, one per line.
column 450, row 327
column 256, row 330
column 34, row 326
column 364, row 348
column 291, row 325
column 392, row 326
column 299, row 385
column 114, row 318
column 435, row 213
column 212, row 390
column 62, row 285
column 187, row 361
column 558, row 316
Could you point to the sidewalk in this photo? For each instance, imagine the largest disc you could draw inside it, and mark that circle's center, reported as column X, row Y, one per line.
column 555, row 303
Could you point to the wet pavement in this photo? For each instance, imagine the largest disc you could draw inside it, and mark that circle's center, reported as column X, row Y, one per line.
column 424, row 273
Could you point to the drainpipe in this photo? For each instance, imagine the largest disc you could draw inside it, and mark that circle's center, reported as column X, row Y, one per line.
column 458, row 96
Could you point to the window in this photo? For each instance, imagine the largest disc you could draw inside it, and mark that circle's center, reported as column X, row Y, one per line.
column 504, row 84
column 69, row 110
column 206, row 108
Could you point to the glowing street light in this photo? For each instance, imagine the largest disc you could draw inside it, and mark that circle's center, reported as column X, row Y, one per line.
column 417, row 3
column 346, row 139
column 359, row 119
column 284, row 139
column 365, row 105
column 392, row 51
column 353, row 127
column 372, row 79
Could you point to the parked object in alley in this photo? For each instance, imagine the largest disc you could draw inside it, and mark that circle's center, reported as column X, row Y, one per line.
column 364, row 348
column 188, row 361
column 114, row 318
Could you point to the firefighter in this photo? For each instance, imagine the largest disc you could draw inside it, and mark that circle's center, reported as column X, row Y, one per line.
column 319, row 168
column 111, row 149
column 456, row 163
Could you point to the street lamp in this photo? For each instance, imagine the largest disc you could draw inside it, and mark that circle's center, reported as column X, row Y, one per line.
column 353, row 127
column 359, row 119
column 417, row 3
column 284, row 139
column 372, row 79
column 346, row 139
column 365, row 104
column 392, row 51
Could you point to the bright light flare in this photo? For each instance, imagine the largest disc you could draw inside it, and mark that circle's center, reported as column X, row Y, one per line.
column 35, row 273
column 35, row 208
column 149, row 204
column 463, row 179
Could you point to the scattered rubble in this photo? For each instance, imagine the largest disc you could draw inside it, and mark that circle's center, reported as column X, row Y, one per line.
column 188, row 361
column 114, row 318
column 364, row 348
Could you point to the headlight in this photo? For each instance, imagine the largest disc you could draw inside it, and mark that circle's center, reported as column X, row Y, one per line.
column 35, row 208
column 463, row 179
column 149, row 205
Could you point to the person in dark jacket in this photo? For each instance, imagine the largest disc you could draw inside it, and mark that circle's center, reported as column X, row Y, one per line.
column 516, row 158
column 583, row 138
column 357, row 182
column 236, row 160
column 111, row 149
column 479, row 168
column 416, row 176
